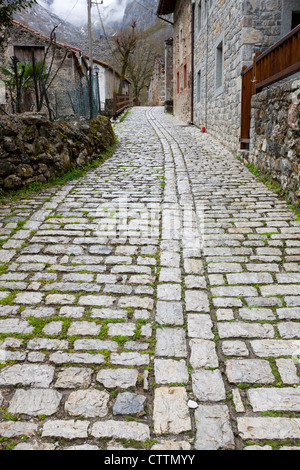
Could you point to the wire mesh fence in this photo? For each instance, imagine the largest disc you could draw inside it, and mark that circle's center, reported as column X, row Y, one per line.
column 79, row 100
column 65, row 100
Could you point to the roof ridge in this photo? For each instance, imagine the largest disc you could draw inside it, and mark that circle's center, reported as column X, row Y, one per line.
column 69, row 47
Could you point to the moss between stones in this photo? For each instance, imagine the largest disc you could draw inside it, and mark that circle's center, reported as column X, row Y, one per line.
column 61, row 152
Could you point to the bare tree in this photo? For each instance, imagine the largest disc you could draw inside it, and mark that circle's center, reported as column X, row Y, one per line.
column 126, row 43
column 141, row 63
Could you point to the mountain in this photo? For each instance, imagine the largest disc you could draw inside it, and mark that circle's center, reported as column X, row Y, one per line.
column 43, row 20
column 143, row 11
column 118, row 15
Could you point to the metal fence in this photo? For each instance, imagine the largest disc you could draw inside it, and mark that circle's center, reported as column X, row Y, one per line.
column 76, row 101
column 64, row 100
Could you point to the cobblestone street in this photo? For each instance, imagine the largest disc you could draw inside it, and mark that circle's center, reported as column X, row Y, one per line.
column 152, row 304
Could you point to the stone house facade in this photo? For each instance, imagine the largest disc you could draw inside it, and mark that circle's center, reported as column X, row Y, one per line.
column 156, row 90
column 72, row 63
column 169, row 80
column 214, row 39
column 182, row 60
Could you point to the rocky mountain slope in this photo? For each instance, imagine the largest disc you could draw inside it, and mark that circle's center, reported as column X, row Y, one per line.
column 117, row 15
column 43, row 20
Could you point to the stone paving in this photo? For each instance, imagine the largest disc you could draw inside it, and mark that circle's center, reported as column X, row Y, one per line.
column 152, row 304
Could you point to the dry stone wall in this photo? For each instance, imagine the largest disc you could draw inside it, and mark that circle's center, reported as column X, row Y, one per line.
column 34, row 149
column 275, row 135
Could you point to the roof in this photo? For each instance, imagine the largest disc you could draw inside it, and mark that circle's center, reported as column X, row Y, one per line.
column 68, row 47
column 165, row 7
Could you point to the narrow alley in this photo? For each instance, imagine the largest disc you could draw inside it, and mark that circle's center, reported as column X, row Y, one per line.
column 152, row 304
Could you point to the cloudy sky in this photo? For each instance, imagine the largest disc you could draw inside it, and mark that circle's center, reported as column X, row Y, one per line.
column 75, row 11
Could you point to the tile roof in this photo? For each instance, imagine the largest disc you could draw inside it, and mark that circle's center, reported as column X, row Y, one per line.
column 70, row 48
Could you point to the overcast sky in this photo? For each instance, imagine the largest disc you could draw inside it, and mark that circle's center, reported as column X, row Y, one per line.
column 75, row 11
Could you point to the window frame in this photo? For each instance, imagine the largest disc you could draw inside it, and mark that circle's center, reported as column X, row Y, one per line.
column 219, row 65
column 199, row 87
column 185, row 77
column 178, row 82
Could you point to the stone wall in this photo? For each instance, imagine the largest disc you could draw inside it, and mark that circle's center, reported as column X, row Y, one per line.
column 156, row 92
column 226, row 36
column 34, row 149
column 182, row 59
column 169, row 81
column 275, row 135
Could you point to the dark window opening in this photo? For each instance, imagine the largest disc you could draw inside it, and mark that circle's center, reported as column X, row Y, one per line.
column 219, row 65
column 185, row 80
column 295, row 19
column 199, row 87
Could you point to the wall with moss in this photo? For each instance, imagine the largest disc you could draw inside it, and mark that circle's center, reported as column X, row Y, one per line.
column 34, row 149
column 275, row 136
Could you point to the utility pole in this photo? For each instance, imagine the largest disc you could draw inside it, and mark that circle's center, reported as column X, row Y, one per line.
column 89, row 6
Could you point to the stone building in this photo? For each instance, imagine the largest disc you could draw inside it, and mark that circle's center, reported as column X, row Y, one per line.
column 169, row 80
column 213, row 40
column 182, row 54
column 156, row 90
column 70, row 65
column 160, row 90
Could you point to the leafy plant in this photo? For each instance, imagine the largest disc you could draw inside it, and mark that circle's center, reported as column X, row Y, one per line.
column 9, row 7
column 19, row 77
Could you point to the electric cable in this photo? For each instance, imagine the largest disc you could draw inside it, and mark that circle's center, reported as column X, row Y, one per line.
column 70, row 12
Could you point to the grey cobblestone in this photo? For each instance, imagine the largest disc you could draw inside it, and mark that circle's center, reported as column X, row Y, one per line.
column 166, row 278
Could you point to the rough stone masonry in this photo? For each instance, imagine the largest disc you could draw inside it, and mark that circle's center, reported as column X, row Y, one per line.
column 152, row 304
column 34, row 149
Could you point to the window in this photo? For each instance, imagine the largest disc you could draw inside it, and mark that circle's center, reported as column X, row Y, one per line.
column 198, row 86
column 219, row 66
column 181, row 45
column 24, row 53
column 199, row 16
column 290, row 15
column 295, row 19
column 185, row 78
column 178, row 82
column 205, row 9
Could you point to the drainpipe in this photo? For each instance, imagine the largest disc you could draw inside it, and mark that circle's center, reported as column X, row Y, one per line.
column 166, row 71
column 206, row 66
column 192, row 61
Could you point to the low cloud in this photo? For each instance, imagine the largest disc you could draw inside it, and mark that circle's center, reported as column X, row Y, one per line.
column 76, row 13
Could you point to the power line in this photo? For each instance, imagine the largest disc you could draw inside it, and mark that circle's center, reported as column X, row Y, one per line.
column 113, row 52
column 70, row 12
column 104, row 31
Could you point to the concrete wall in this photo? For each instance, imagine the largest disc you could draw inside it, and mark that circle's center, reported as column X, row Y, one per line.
column 275, row 135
